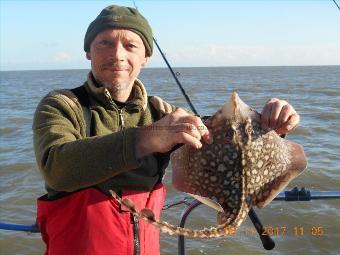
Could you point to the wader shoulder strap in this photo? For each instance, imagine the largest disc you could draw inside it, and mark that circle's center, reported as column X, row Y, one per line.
column 83, row 98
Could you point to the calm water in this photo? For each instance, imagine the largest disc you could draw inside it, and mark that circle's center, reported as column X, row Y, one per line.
column 313, row 91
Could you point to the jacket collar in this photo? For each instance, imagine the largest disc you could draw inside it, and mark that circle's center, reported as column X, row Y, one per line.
column 103, row 96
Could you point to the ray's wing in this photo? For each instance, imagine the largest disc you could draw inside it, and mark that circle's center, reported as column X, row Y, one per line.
column 278, row 175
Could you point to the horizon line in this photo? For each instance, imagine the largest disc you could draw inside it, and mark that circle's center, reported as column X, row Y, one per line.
column 239, row 66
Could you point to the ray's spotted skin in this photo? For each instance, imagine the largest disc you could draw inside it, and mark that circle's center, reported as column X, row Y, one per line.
column 246, row 165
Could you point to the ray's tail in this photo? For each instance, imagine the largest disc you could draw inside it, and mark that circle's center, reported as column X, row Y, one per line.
column 146, row 214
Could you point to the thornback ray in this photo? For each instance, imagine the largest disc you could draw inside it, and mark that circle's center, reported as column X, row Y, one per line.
column 245, row 166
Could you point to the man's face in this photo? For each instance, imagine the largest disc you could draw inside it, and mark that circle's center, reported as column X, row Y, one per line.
column 117, row 56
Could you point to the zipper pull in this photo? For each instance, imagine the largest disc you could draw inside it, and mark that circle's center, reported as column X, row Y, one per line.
column 121, row 116
column 108, row 96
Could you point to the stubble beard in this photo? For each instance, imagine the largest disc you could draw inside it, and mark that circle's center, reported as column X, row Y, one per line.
column 116, row 89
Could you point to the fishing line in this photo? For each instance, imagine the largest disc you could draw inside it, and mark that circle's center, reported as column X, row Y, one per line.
column 336, row 4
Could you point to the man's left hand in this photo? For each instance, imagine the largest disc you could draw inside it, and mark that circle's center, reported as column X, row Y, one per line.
column 280, row 116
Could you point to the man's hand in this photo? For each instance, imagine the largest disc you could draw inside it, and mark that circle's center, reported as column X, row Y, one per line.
column 280, row 116
column 178, row 127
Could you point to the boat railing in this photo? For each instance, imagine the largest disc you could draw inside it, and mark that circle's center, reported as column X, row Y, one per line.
column 295, row 194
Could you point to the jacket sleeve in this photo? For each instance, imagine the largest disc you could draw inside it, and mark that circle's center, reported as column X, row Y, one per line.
column 66, row 158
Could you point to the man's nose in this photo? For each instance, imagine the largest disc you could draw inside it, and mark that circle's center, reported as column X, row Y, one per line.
column 118, row 52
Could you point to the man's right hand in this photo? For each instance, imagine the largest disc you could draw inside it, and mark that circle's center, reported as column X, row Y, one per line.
column 178, row 127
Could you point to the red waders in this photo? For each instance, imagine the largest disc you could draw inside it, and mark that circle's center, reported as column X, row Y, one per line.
column 88, row 222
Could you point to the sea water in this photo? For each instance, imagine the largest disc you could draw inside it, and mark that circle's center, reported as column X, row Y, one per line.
column 297, row 227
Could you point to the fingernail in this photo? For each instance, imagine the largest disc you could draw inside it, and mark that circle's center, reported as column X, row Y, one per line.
column 208, row 138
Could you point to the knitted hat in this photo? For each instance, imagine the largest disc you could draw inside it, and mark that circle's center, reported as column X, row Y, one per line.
column 122, row 17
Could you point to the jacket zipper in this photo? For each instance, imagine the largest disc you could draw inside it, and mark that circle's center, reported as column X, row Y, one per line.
column 120, row 111
column 134, row 220
column 136, row 243
column 121, row 117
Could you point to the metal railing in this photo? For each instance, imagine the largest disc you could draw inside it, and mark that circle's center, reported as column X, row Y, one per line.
column 289, row 196
column 293, row 195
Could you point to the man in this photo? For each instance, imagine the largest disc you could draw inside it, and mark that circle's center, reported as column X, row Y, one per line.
column 108, row 134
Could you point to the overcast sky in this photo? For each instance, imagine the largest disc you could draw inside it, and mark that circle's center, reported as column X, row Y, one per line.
column 49, row 34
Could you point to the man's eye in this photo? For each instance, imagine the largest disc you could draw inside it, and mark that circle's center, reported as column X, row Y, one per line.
column 131, row 45
column 105, row 43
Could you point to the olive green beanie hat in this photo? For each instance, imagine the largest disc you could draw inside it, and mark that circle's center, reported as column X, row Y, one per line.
column 115, row 16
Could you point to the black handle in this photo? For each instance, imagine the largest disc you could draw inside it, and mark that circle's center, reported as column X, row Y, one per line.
column 267, row 241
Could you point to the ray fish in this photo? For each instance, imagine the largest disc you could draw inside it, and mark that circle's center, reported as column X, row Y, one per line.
column 246, row 165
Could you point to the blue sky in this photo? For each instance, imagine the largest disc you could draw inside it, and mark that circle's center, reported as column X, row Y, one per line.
column 49, row 34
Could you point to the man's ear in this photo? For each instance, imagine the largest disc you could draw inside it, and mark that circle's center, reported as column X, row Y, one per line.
column 145, row 61
column 88, row 55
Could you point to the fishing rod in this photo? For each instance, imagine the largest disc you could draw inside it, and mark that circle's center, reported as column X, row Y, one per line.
column 177, row 81
column 172, row 72
column 267, row 242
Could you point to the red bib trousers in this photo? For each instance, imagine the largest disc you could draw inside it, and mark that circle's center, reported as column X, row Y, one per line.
column 89, row 222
